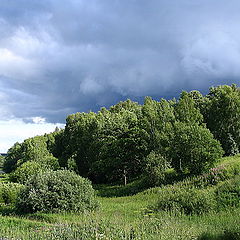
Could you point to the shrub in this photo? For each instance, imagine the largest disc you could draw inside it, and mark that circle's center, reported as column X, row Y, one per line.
column 231, row 166
column 9, row 192
column 55, row 191
column 50, row 162
column 188, row 201
column 228, row 193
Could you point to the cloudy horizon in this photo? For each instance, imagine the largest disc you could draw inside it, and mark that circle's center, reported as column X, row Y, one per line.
column 62, row 57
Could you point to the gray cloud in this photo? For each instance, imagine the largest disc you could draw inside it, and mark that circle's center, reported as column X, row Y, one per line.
column 59, row 57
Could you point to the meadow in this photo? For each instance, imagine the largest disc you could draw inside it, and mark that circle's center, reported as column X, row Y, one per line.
column 125, row 213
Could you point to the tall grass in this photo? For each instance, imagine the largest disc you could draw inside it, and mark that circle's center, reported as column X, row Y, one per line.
column 163, row 226
column 129, row 217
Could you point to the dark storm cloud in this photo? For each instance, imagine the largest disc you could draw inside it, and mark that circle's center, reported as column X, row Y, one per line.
column 59, row 57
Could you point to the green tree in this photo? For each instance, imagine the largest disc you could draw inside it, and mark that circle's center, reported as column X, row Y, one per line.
column 157, row 120
column 193, row 149
column 2, row 159
column 223, row 114
column 32, row 149
column 123, row 146
column 186, row 110
column 26, row 171
column 55, row 144
column 155, row 168
column 14, row 154
column 79, row 139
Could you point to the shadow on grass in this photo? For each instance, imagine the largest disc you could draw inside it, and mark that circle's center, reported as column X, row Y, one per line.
column 227, row 235
column 7, row 210
column 104, row 190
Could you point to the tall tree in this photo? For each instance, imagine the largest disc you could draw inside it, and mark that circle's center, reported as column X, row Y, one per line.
column 157, row 120
column 14, row 154
column 193, row 149
column 123, row 146
column 223, row 116
column 79, row 136
column 186, row 111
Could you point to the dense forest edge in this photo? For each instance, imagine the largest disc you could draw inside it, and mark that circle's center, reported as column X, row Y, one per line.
column 167, row 169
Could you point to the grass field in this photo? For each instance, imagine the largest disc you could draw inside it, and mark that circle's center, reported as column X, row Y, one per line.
column 128, row 217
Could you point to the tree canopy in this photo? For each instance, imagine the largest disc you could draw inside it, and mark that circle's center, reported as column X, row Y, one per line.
column 127, row 140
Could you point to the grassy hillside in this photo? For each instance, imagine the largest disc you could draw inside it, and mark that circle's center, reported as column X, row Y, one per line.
column 121, row 218
column 128, row 217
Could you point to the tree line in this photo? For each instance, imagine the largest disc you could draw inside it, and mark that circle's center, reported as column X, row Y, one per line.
column 130, row 140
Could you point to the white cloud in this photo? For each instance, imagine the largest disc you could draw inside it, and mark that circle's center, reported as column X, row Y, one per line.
column 14, row 66
column 16, row 130
column 39, row 120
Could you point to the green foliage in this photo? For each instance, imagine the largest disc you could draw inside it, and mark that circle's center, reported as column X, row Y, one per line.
column 132, row 188
column 50, row 162
column 54, row 142
column 222, row 116
column 186, row 111
column 72, row 165
column 231, row 166
column 111, row 146
column 188, row 201
column 121, row 218
column 2, row 159
column 228, row 193
column 193, row 149
column 26, row 171
column 103, row 226
column 13, row 155
column 32, row 150
column 155, row 169
column 106, row 146
column 9, row 192
column 55, row 191
column 227, row 235
column 157, row 120
column 123, row 147
column 80, row 136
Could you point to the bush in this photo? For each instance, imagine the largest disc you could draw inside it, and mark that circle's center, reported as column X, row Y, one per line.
column 55, row 191
column 231, row 166
column 50, row 162
column 9, row 192
column 188, row 201
column 228, row 193
column 212, row 177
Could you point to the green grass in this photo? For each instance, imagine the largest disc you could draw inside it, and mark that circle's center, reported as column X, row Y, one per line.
column 125, row 217
column 120, row 218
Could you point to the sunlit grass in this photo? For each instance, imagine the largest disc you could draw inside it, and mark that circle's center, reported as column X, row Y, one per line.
column 126, row 217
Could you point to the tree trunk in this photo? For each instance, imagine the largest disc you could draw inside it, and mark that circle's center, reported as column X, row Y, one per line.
column 125, row 177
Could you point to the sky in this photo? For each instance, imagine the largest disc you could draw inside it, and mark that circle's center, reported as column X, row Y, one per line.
column 62, row 57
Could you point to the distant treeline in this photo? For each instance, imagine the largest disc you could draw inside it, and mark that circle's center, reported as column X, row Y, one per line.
column 130, row 140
